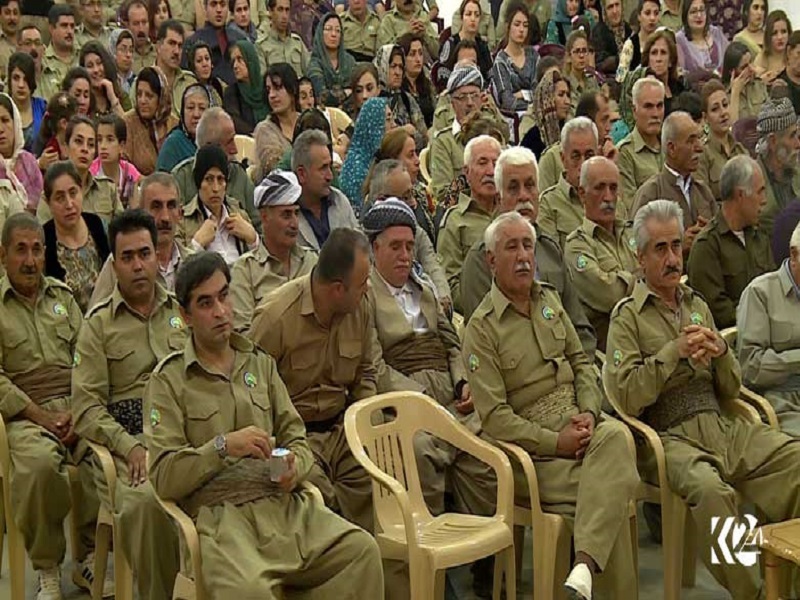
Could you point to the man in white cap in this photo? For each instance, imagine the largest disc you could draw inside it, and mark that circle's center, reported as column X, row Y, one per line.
column 279, row 258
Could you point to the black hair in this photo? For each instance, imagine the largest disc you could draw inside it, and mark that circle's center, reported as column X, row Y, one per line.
column 338, row 254
column 312, row 118
column 587, row 104
column 170, row 25
column 57, row 11
column 56, row 170
column 462, row 45
column 73, row 75
column 109, row 64
column 287, row 76
column 4, row 3
column 730, row 61
column 424, row 85
column 196, row 270
column 746, row 11
column 60, row 106
column 545, row 64
column 129, row 221
column 120, row 128
column 689, row 102
column 8, row 104
column 74, row 122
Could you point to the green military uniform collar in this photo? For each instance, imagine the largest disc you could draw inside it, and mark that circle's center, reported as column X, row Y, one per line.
column 592, row 229
column 306, row 297
column 162, row 297
column 262, row 254
column 148, row 51
column 788, row 284
column 500, row 301
column 642, row 292
column 639, row 144
column 368, row 14
column 48, row 283
column 238, row 342
column 466, row 203
column 716, row 145
column 50, row 53
column 416, row 15
column 569, row 192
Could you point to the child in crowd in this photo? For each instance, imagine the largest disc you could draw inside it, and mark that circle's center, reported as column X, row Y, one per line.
column 111, row 137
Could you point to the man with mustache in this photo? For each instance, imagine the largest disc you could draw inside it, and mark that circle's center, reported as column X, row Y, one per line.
column 158, row 196
column 516, row 177
column 682, row 145
column 640, row 152
column 463, row 224
column 219, row 38
column 41, row 321
column 215, row 411
column 560, row 208
column 533, row 385
column 777, row 151
column 121, row 341
column 9, row 23
column 732, row 250
column 144, row 52
column 279, row 258
column 671, row 369
column 169, row 46
column 29, row 40
column 601, row 253
column 409, row 16
column 280, row 44
column 61, row 55
column 92, row 27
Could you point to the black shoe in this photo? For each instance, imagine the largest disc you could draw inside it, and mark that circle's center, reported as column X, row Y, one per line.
column 652, row 516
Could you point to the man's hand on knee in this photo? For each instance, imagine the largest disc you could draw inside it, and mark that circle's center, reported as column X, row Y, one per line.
column 137, row 466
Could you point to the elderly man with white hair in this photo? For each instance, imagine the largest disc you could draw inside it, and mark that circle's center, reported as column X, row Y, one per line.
column 463, row 224
column 733, row 249
column 516, row 176
column 670, row 368
column 533, row 385
column 560, row 208
column 601, row 252
column 769, row 337
column 681, row 141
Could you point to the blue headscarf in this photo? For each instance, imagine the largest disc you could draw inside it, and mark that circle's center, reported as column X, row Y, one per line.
column 369, row 131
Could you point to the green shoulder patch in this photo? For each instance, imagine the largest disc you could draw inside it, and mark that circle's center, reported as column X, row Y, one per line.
column 473, row 363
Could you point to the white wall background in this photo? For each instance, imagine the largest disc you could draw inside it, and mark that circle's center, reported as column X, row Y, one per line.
column 792, row 10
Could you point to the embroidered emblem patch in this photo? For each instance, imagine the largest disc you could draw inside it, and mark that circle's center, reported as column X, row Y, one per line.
column 250, row 379
column 76, row 359
column 548, row 313
column 581, row 262
column 155, row 417
column 632, row 243
column 176, row 323
column 696, row 318
column 59, row 309
column 473, row 362
column 617, row 357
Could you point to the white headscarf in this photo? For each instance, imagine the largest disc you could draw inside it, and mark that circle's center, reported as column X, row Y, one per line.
column 19, row 144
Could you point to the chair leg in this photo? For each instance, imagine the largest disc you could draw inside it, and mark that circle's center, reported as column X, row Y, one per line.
column 509, row 568
column 634, row 526
column 2, row 527
column 519, row 547
column 689, row 552
column 672, row 531
column 439, row 584
column 102, row 545
column 123, row 577
column 546, row 552
column 16, row 548
column 422, row 580
column 76, row 498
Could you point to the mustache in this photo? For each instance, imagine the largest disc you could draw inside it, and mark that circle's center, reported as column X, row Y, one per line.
column 29, row 270
column 608, row 206
column 670, row 270
column 488, row 179
column 523, row 267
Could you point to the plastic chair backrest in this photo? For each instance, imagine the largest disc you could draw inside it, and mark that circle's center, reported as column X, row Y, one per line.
column 424, row 167
column 245, row 149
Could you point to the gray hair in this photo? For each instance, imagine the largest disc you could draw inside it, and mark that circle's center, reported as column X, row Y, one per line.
column 643, row 83
column 514, row 156
column 738, row 172
column 493, row 231
column 588, row 164
column 158, row 178
column 208, row 128
column 794, row 241
column 578, row 125
column 380, row 173
column 669, row 129
column 663, row 211
column 481, row 139
column 21, row 220
column 301, row 148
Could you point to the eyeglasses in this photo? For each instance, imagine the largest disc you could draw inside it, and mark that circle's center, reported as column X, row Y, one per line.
column 580, row 51
column 474, row 96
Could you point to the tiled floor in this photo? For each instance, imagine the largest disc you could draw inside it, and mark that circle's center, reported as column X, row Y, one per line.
column 650, row 577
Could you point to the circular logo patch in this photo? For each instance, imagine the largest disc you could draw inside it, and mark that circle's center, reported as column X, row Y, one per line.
column 548, row 313
column 617, row 357
column 581, row 262
column 176, row 323
column 250, row 379
column 76, row 359
column 59, row 309
column 697, row 318
column 155, row 417
column 473, row 362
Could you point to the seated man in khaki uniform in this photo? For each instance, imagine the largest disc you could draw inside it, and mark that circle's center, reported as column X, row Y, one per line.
column 560, row 207
column 280, row 44
column 640, row 152
column 317, row 329
column 673, row 371
column 682, row 147
column 534, row 386
column 61, row 55
column 601, row 253
column 41, row 321
column 463, row 224
column 768, row 341
column 215, row 410
column 122, row 340
column 516, row 177
column 159, row 196
column 279, row 258
column 408, row 16
column 732, row 250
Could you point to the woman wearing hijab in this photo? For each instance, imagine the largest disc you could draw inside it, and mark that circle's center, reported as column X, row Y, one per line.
column 391, row 63
column 180, row 143
column 150, row 121
column 331, row 65
column 120, row 45
column 560, row 26
column 246, row 101
column 200, row 64
column 212, row 220
column 20, row 177
column 374, row 120
column 547, row 113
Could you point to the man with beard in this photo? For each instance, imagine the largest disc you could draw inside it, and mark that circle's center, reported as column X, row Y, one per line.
column 640, row 154
column 682, row 145
column 463, row 224
column 169, row 46
column 218, row 37
column 121, row 341
column 601, row 253
column 29, row 40
column 560, row 208
column 61, row 54
column 158, row 195
column 9, row 22
column 777, row 149
column 279, row 258
column 732, row 250
column 144, row 52
column 533, row 385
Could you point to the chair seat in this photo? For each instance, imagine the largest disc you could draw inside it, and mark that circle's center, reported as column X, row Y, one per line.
column 451, row 539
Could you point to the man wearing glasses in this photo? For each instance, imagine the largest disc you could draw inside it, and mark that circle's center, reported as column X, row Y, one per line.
column 29, row 41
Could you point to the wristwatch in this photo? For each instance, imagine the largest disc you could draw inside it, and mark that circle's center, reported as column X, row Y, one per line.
column 221, row 446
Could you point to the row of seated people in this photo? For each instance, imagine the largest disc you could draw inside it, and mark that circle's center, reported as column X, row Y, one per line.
column 147, row 371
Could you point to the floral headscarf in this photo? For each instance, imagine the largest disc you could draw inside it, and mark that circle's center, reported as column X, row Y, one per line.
column 369, row 130
column 157, row 81
column 252, row 92
column 383, row 58
column 543, row 108
column 195, row 88
column 19, row 143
